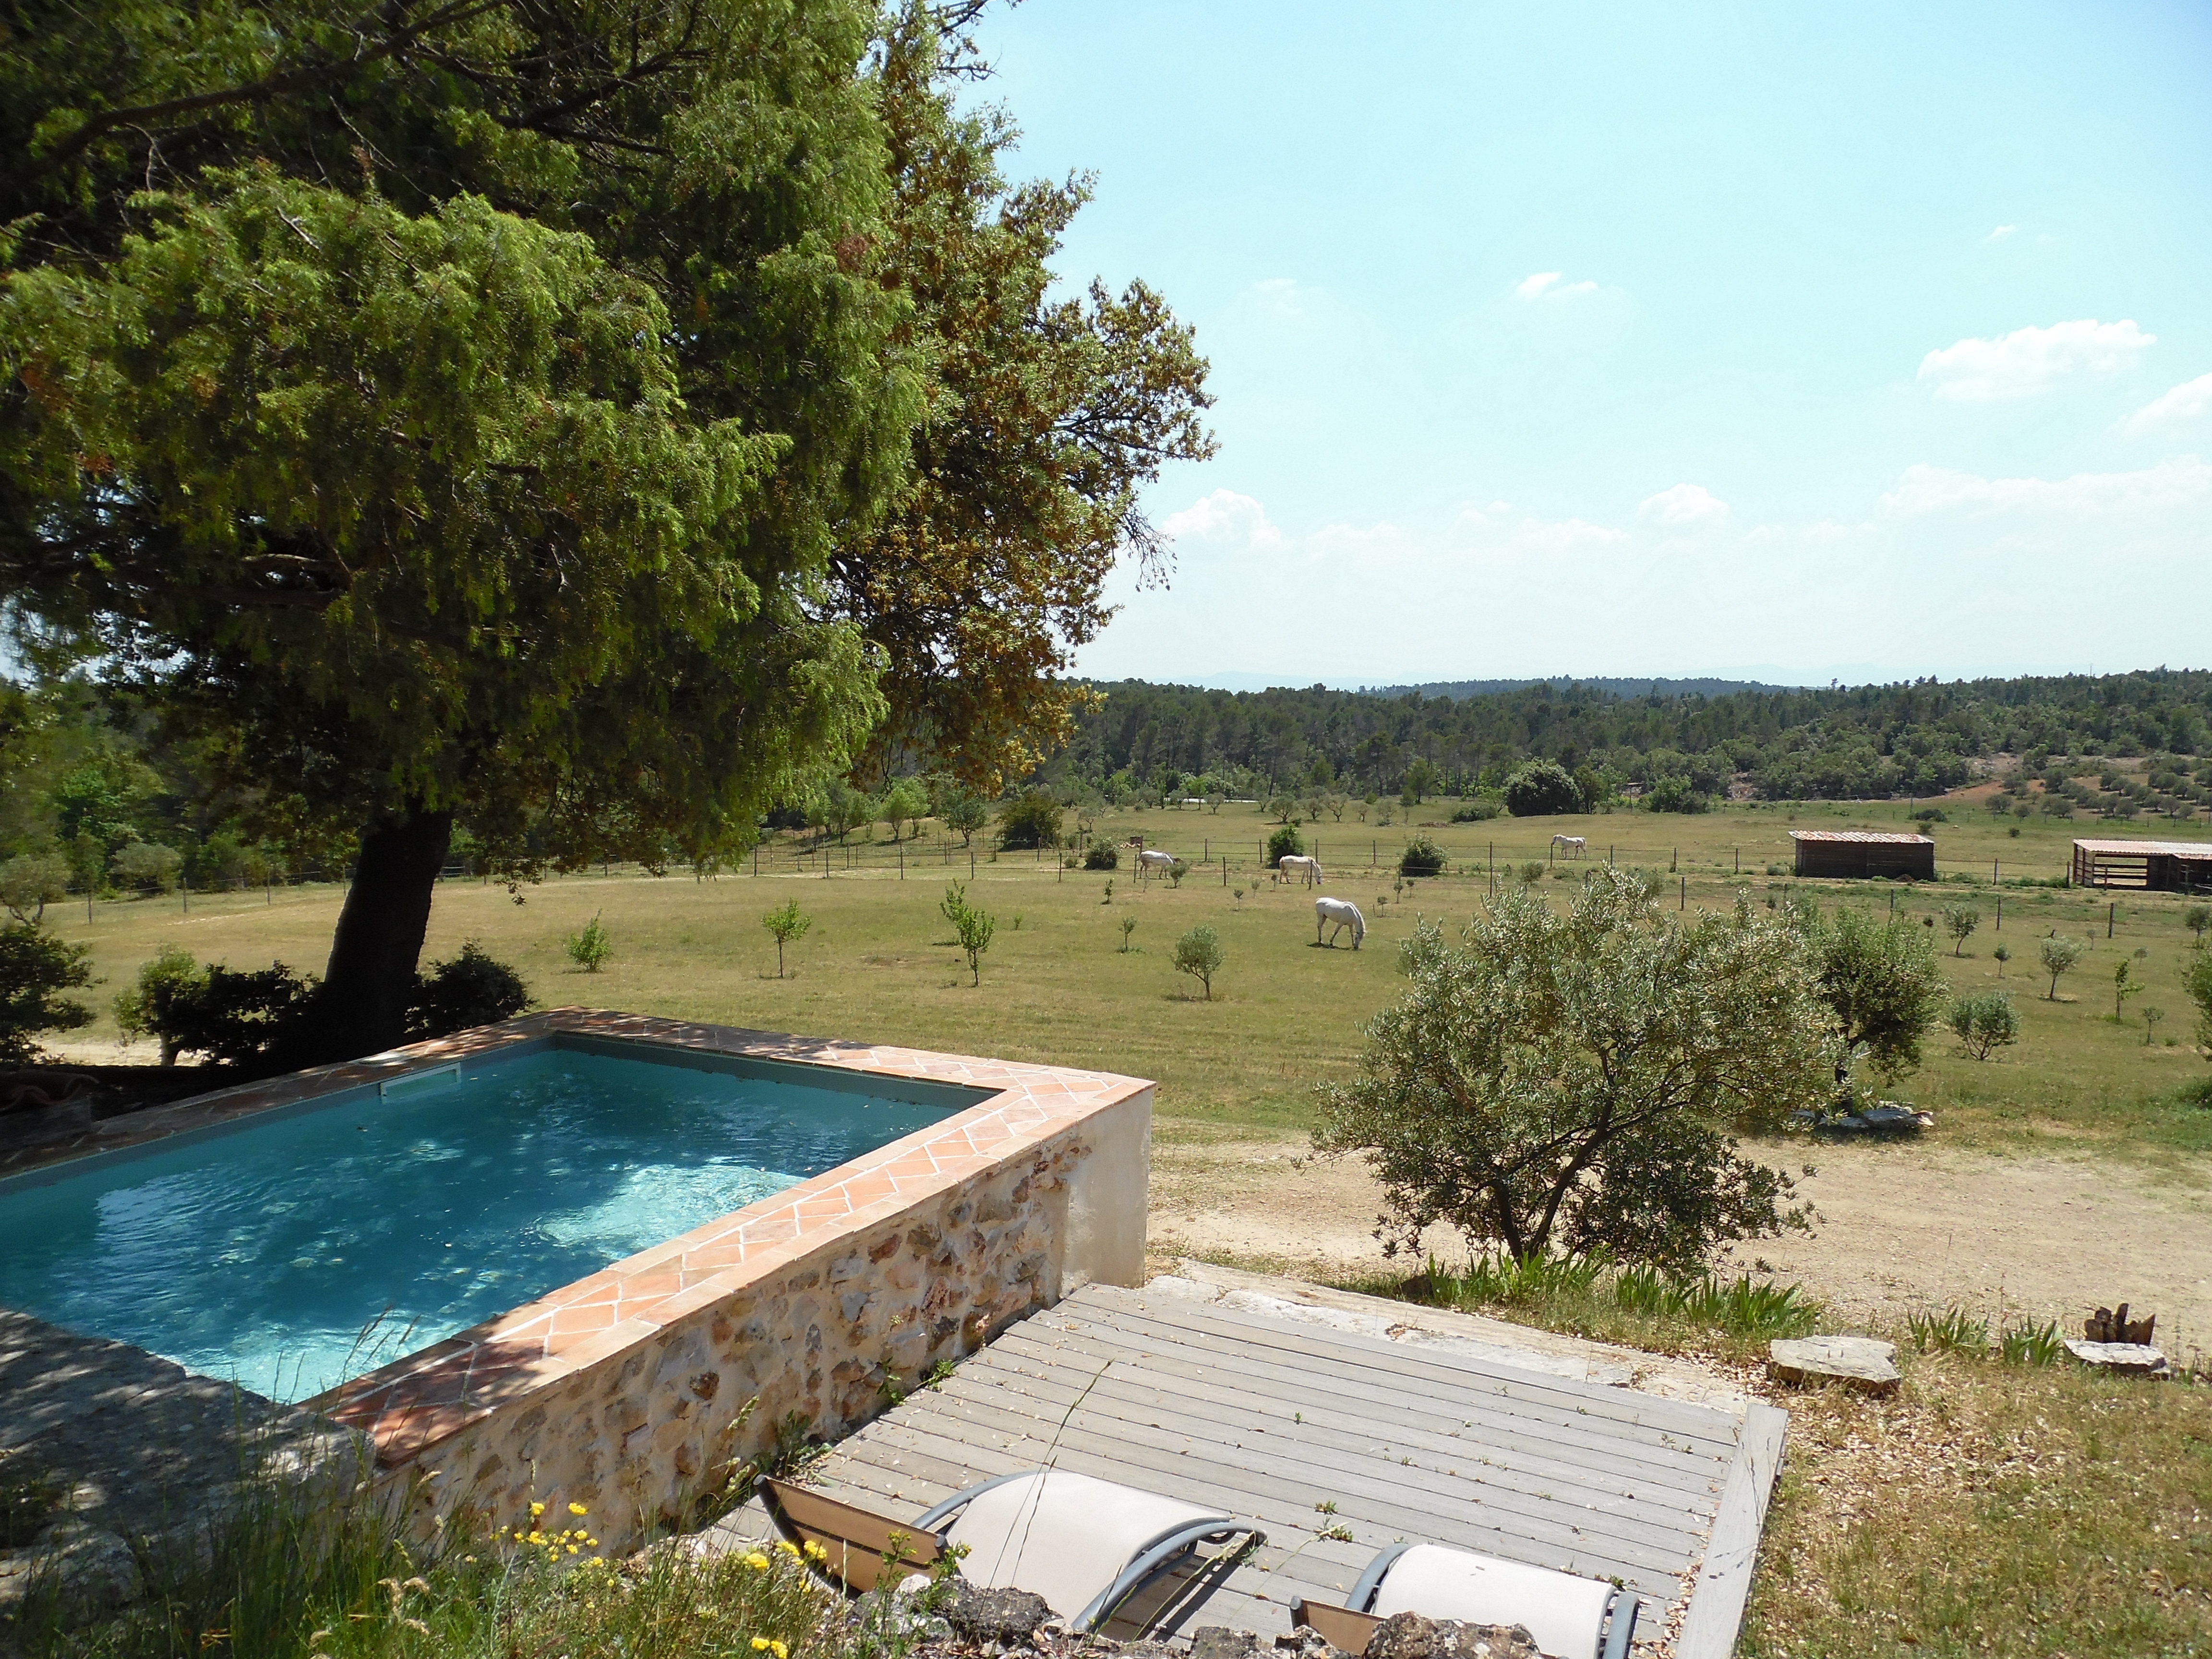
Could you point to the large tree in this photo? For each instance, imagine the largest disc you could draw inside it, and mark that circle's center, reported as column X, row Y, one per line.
column 490, row 411
column 1046, row 412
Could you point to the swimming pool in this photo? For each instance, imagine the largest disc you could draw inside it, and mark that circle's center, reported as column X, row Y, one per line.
column 296, row 1248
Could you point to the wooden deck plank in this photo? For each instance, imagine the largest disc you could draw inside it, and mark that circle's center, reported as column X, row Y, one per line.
column 1366, row 1399
column 1508, row 1457
column 1345, row 1471
column 1555, row 1540
column 1234, row 1329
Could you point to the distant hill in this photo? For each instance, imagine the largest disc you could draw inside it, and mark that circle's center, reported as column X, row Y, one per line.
column 1457, row 690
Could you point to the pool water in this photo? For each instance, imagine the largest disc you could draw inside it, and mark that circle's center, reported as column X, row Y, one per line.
column 310, row 1246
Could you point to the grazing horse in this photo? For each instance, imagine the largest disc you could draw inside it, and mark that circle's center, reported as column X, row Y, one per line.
column 1574, row 844
column 1148, row 861
column 1294, row 864
column 1345, row 913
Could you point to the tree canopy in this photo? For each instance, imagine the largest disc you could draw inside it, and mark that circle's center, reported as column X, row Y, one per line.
column 1577, row 1080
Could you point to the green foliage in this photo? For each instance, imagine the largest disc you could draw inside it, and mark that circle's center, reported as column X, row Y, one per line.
column 1284, row 841
column 1676, row 794
column 31, row 881
column 1128, row 926
column 591, row 949
column 2197, row 919
column 2197, row 979
column 1740, row 1307
column 1883, row 990
column 1952, row 1331
column 1541, row 788
column 1984, row 1022
column 35, row 970
column 1032, row 819
column 1554, row 1284
column 1576, row 1080
column 146, row 865
column 1198, row 954
column 1959, row 921
column 1177, row 871
column 149, row 1007
column 2032, row 1345
column 971, row 927
column 462, row 993
column 787, row 923
column 1422, row 857
column 259, row 1018
column 965, row 811
column 2125, row 984
column 901, row 803
column 1102, row 856
column 2059, row 955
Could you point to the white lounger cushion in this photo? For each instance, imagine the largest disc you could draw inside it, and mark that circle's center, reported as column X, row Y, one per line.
column 1065, row 1537
column 1564, row 1614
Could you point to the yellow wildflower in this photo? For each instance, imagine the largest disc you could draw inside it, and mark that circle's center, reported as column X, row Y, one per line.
column 757, row 1561
column 760, row 1645
column 816, row 1551
column 578, row 1509
column 787, row 1547
column 537, row 1510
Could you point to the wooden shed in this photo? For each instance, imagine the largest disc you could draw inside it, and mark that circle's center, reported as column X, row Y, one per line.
column 1858, row 855
column 2157, row 866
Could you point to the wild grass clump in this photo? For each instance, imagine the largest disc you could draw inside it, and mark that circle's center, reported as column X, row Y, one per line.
column 1590, row 1295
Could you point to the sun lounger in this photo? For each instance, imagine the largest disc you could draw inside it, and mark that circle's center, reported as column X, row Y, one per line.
column 1082, row 1544
column 1570, row 1616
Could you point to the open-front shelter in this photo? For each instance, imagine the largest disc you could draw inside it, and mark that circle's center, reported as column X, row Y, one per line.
column 2157, row 866
column 1859, row 854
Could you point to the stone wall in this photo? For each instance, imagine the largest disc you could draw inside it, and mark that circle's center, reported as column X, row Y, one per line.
column 643, row 1432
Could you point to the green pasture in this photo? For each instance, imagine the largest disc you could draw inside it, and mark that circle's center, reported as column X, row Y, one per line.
column 879, row 963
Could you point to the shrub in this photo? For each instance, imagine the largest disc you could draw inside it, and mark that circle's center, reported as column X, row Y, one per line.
column 147, row 1008
column 1931, row 815
column 591, row 949
column 1576, row 1081
column 1676, row 794
column 1474, row 812
column 1102, row 856
column 1422, row 857
column 2197, row 919
column 964, row 811
column 470, row 989
column 146, row 864
column 1031, row 819
column 1541, row 789
column 1284, row 842
column 1177, row 871
column 971, row 927
column 255, row 1019
column 32, row 881
column 2197, row 982
column 1882, row 987
column 1985, row 1021
column 35, row 968
column 1198, row 953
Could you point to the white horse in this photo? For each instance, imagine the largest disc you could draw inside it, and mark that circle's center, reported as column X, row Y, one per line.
column 1151, row 860
column 1574, row 844
column 1307, row 869
column 1345, row 913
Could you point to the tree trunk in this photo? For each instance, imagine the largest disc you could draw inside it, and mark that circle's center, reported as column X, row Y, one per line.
column 371, row 976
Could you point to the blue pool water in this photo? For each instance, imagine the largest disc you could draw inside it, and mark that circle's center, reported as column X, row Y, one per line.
column 311, row 1246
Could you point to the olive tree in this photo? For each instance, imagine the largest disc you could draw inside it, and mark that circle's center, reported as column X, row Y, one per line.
column 1985, row 1021
column 2059, row 955
column 1578, row 1080
column 1959, row 921
column 1198, row 953
column 1883, row 990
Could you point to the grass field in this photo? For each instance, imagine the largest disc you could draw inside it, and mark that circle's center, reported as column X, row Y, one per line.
column 880, row 963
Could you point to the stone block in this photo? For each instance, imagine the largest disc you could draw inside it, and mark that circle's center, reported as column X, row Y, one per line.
column 1863, row 1362
column 2121, row 1358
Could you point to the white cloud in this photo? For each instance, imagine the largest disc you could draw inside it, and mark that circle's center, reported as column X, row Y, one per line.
column 1686, row 507
column 1281, row 297
column 2181, row 483
column 1227, row 517
column 1547, row 285
column 2184, row 403
column 2032, row 360
column 2000, row 232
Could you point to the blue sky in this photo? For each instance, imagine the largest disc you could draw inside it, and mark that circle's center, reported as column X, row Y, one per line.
column 1791, row 342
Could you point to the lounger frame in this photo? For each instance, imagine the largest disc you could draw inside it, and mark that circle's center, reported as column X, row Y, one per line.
column 1350, row 1626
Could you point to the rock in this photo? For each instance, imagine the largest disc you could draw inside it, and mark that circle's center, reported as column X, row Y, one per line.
column 1863, row 1362
column 1409, row 1636
column 994, row 1618
column 2122, row 1358
column 1220, row 1641
column 89, row 1571
column 1305, row 1643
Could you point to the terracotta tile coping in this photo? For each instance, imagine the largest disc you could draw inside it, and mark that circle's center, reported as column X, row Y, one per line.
column 425, row 1396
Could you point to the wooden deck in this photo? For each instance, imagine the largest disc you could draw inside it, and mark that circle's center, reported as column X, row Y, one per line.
column 1304, row 1428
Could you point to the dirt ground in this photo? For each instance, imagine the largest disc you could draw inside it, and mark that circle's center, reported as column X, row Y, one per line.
column 1902, row 1226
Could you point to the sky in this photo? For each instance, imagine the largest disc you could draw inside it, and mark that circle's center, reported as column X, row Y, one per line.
column 1786, row 343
